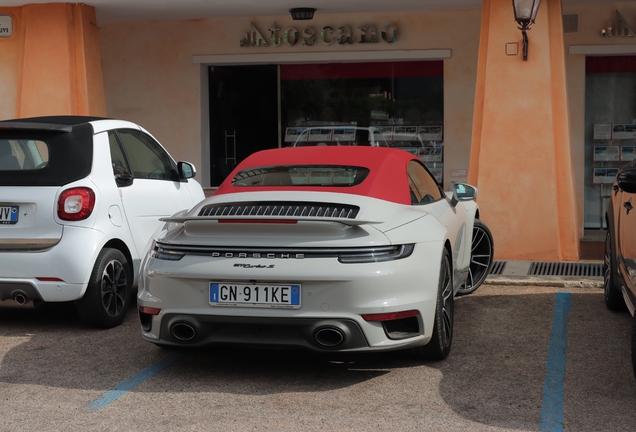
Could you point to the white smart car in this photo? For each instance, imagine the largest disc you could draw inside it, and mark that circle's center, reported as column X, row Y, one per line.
column 80, row 197
column 339, row 249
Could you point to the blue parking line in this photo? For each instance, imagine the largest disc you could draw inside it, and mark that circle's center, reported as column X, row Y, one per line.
column 553, row 388
column 125, row 386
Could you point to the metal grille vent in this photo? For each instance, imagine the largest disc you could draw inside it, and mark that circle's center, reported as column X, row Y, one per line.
column 282, row 209
column 565, row 269
column 497, row 267
column 571, row 23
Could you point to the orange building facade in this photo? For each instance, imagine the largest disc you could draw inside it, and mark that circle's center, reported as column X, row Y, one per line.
column 521, row 131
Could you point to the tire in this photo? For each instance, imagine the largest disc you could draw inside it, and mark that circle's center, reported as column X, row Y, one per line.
column 107, row 295
column 634, row 345
column 612, row 293
column 481, row 258
column 439, row 346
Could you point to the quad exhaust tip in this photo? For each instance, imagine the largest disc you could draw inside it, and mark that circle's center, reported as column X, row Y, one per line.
column 329, row 337
column 183, row 331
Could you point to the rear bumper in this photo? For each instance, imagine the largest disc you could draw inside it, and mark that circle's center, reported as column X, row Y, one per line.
column 316, row 334
column 35, row 290
column 334, row 296
column 69, row 263
column 313, row 334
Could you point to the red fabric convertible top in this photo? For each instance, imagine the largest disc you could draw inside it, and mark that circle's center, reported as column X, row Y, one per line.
column 387, row 179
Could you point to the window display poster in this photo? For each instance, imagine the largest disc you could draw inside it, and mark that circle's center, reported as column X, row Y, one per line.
column 405, row 133
column 293, row 134
column 431, row 154
column 320, row 134
column 604, row 175
column 344, row 134
column 386, row 132
column 624, row 131
column 602, row 131
column 606, row 153
column 628, row 153
column 430, row 133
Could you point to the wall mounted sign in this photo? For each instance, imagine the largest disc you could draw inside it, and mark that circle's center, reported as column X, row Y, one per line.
column 606, row 154
column 628, row 153
column 6, row 26
column 624, row 131
column 327, row 35
column 604, row 175
column 602, row 131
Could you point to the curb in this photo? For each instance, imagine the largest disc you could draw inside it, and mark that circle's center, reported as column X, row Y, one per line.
column 546, row 281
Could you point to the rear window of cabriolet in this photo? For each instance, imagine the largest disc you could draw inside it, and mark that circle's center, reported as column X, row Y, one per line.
column 23, row 154
column 33, row 154
column 301, row 175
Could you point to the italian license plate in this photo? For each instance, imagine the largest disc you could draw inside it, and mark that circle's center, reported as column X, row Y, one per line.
column 235, row 294
column 9, row 214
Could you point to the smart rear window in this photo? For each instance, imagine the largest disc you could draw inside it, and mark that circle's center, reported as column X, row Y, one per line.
column 23, row 154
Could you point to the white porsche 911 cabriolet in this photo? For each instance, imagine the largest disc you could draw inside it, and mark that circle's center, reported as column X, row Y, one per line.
column 337, row 249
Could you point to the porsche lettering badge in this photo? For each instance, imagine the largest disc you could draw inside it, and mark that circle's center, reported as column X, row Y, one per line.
column 257, row 255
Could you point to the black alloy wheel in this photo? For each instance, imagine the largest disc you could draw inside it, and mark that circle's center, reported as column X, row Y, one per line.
column 107, row 296
column 114, row 288
column 439, row 346
column 481, row 258
column 612, row 293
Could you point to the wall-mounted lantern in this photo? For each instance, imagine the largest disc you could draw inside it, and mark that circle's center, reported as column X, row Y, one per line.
column 302, row 13
column 525, row 14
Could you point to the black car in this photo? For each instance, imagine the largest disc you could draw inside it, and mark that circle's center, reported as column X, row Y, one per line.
column 620, row 247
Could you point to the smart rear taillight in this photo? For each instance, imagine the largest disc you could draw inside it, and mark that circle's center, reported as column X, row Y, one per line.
column 75, row 204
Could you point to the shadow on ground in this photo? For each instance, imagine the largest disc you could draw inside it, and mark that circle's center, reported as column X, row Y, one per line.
column 494, row 375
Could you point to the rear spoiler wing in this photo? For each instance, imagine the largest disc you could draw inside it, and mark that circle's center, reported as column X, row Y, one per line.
column 266, row 220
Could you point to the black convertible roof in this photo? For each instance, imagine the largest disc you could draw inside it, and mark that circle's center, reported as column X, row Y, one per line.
column 70, row 145
column 51, row 123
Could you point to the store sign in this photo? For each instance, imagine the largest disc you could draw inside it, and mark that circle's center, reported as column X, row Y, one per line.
column 618, row 28
column 6, row 26
column 327, row 35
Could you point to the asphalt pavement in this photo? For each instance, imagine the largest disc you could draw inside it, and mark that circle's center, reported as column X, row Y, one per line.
column 524, row 358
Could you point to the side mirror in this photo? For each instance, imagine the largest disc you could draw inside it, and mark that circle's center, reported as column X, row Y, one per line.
column 626, row 180
column 462, row 192
column 122, row 177
column 186, row 170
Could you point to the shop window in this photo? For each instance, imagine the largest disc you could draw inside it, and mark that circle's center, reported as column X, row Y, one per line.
column 610, row 129
column 396, row 104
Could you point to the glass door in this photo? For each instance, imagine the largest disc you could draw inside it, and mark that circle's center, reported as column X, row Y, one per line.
column 610, row 129
column 243, row 115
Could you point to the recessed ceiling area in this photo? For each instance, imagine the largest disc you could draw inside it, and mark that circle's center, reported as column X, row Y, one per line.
column 129, row 10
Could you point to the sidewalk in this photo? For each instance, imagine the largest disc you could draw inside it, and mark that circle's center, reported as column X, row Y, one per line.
column 518, row 273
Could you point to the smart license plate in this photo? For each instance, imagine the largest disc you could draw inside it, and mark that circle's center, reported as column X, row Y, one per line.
column 235, row 294
column 9, row 214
